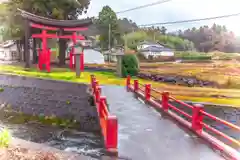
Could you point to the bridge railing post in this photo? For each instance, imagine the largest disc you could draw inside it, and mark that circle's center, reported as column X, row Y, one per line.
column 136, row 85
column 98, row 93
column 112, row 134
column 92, row 80
column 147, row 92
column 96, row 84
column 165, row 100
column 128, row 82
column 197, row 117
column 101, row 106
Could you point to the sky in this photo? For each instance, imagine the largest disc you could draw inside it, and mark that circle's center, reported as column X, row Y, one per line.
column 174, row 10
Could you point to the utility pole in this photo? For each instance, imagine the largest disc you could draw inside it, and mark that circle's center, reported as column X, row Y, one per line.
column 125, row 42
column 109, row 36
column 109, row 41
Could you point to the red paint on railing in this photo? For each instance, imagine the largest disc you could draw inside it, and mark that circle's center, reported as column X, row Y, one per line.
column 197, row 118
column 181, row 102
column 147, row 92
column 195, row 124
column 165, row 99
column 128, row 83
column 136, row 86
column 108, row 123
column 180, row 111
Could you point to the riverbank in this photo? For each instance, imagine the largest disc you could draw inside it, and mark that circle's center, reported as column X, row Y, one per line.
column 26, row 150
column 44, row 98
column 197, row 94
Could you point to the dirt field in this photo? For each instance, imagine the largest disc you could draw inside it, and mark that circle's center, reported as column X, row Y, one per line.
column 224, row 73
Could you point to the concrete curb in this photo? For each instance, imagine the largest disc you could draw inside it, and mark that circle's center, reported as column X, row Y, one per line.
column 40, row 78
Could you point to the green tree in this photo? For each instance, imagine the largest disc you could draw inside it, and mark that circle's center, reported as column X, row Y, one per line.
column 163, row 30
column 130, row 65
column 60, row 9
column 107, row 23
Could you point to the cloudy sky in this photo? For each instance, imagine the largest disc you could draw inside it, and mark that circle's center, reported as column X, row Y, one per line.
column 173, row 11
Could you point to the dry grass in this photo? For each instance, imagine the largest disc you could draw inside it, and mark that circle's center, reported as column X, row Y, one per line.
column 15, row 153
column 225, row 73
column 220, row 72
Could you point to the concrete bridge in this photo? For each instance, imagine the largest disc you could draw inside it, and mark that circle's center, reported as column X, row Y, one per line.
column 145, row 128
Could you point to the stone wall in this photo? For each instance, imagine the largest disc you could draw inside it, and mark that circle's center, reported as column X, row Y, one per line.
column 47, row 97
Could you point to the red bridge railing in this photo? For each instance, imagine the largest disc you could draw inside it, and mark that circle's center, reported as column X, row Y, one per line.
column 193, row 121
column 108, row 122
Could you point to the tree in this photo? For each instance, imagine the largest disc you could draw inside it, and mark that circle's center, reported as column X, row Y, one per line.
column 60, row 9
column 107, row 22
column 163, row 30
column 130, row 65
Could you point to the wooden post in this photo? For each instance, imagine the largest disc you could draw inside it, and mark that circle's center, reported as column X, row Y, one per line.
column 197, row 118
column 165, row 99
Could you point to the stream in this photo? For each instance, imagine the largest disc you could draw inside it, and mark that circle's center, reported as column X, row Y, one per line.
column 71, row 140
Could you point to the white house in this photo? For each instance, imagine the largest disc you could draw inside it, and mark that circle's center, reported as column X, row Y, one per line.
column 146, row 44
column 8, row 51
column 155, row 52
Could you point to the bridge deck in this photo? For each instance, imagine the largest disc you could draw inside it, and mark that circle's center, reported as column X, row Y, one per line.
column 146, row 134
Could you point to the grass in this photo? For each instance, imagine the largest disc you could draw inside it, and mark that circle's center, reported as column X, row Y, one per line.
column 196, row 94
column 21, row 118
column 5, row 138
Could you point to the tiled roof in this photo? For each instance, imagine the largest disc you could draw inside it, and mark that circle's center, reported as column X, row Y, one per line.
column 154, row 49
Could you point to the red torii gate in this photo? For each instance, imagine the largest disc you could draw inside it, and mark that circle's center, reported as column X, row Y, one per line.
column 44, row 23
column 44, row 54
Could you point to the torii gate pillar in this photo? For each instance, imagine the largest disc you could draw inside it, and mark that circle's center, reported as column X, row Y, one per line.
column 26, row 44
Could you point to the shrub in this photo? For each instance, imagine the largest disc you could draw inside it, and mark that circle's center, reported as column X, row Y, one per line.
column 130, row 65
column 193, row 55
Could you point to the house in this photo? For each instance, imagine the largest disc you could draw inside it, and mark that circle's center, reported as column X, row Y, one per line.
column 157, row 52
column 8, row 51
column 146, row 44
column 91, row 56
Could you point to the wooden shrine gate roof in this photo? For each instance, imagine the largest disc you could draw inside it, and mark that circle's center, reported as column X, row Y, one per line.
column 53, row 22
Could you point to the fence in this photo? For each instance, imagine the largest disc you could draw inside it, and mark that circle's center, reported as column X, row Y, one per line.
column 193, row 121
column 108, row 122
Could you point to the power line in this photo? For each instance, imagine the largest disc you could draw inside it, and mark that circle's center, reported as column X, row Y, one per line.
column 144, row 6
column 191, row 20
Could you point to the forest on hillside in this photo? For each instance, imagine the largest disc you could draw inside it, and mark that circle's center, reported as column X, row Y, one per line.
column 126, row 32
column 123, row 31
